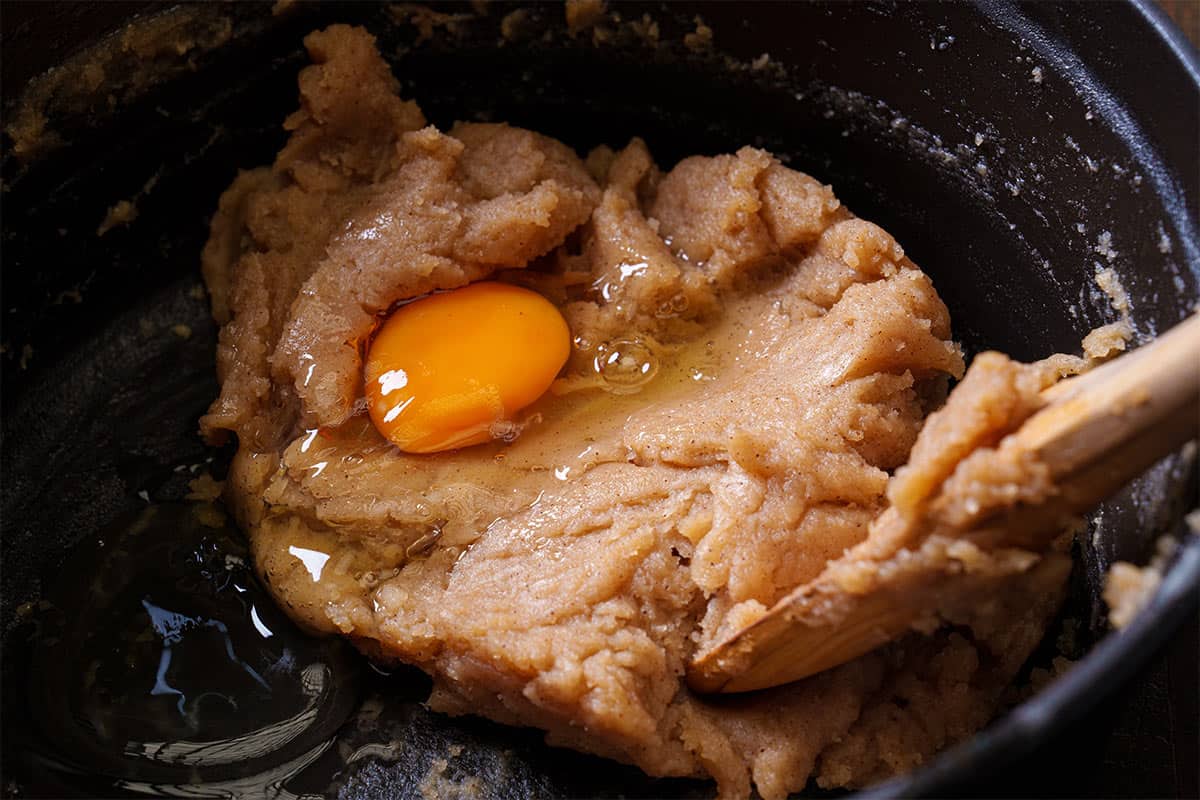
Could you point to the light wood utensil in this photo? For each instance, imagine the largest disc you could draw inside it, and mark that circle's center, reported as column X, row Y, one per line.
column 1095, row 433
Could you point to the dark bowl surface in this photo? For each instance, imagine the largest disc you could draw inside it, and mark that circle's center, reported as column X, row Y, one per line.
column 1014, row 150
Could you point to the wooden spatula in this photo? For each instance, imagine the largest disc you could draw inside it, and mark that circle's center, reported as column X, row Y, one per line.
column 1095, row 433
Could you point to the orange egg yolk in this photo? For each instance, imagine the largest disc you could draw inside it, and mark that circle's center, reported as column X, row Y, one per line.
column 443, row 370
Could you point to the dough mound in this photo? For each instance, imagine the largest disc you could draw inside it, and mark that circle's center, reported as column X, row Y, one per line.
column 562, row 576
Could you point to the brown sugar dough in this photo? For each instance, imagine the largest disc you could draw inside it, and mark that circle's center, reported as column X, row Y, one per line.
column 562, row 577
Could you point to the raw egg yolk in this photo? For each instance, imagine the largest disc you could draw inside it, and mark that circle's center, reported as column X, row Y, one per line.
column 444, row 369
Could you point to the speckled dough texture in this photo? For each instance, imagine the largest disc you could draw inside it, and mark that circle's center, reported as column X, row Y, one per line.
column 562, row 576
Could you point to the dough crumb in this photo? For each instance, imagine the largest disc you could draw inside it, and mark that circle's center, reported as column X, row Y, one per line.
column 1164, row 241
column 1107, row 340
column 1104, row 245
column 1113, row 338
column 699, row 39
column 204, row 488
column 29, row 133
column 1110, row 284
column 126, row 211
column 437, row 786
column 69, row 295
column 426, row 20
column 512, row 26
column 645, row 29
column 582, row 14
column 120, row 215
column 1127, row 590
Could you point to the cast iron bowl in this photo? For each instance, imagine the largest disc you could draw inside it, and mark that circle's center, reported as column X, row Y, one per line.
column 1014, row 149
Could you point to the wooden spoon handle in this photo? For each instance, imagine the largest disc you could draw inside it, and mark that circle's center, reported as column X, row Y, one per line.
column 1147, row 399
column 1101, row 429
column 1096, row 432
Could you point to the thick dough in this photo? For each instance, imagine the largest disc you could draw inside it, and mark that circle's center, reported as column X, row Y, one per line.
column 561, row 577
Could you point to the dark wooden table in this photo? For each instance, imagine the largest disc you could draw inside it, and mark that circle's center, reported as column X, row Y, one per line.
column 1186, row 14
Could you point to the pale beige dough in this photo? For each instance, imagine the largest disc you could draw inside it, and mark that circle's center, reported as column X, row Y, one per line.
column 564, row 578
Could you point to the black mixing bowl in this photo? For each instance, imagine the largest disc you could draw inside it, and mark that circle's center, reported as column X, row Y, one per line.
column 1015, row 149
